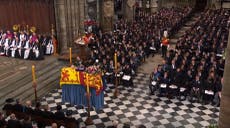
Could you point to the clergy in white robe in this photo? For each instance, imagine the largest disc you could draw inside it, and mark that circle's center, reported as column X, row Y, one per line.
column 36, row 50
column 7, row 46
column 27, row 49
column 2, row 43
column 13, row 47
column 50, row 47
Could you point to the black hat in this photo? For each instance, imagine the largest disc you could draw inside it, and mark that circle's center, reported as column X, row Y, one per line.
column 9, row 100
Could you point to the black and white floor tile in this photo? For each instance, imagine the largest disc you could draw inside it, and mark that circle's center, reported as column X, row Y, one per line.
column 135, row 106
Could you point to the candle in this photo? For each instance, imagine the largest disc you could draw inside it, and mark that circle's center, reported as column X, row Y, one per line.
column 115, row 60
column 33, row 73
column 70, row 56
column 27, row 28
column 87, row 83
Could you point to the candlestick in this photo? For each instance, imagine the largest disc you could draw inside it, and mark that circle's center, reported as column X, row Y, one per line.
column 70, row 56
column 33, row 73
column 115, row 61
column 87, row 84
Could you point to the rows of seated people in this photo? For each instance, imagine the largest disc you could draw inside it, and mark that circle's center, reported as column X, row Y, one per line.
column 133, row 42
column 195, row 68
column 22, row 116
column 25, row 45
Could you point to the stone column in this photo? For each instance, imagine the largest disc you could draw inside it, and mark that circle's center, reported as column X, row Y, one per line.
column 225, row 98
column 107, row 16
column 70, row 17
column 60, row 24
column 82, row 13
column 154, row 6
column 129, row 11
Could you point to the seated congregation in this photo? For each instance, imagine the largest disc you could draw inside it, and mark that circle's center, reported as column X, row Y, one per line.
column 195, row 68
column 26, row 45
column 18, row 115
column 132, row 42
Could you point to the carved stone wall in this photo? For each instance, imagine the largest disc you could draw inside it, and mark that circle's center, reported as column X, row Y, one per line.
column 107, row 15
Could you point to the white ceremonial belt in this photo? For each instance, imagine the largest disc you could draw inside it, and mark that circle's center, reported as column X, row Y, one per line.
column 209, row 92
column 182, row 89
column 152, row 48
column 154, row 83
column 173, row 86
column 126, row 77
column 219, row 55
column 163, row 85
column 118, row 75
column 107, row 73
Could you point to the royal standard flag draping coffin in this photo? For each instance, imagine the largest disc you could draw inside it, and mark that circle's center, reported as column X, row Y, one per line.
column 73, row 84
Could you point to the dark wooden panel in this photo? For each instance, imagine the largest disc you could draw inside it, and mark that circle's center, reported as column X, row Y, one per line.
column 38, row 13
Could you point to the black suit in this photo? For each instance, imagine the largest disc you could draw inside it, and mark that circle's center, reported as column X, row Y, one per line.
column 59, row 115
column 18, row 107
column 48, row 114
column 27, row 125
column 7, row 107
column 28, row 110
column 13, row 124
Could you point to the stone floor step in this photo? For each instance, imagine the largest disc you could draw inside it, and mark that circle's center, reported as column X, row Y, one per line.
column 42, row 81
column 26, row 78
column 25, row 73
column 43, row 88
column 42, row 92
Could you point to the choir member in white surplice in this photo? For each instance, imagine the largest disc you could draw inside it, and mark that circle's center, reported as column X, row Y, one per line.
column 27, row 49
column 13, row 47
column 2, row 43
column 36, row 50
column 22, row 36
column 7, row 46
column 50, row 47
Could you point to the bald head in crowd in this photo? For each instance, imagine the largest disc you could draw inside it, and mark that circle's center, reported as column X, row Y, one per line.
column 54, row 125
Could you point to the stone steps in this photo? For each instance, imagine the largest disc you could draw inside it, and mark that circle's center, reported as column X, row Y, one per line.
column 43, row 88
column 25, row 76
column 26, row 87
column 7, row 66
column 47, row 74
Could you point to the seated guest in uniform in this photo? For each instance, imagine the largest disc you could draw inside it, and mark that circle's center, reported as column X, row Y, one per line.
column 154, row 80
column 218, row 89
column 209, row 86
column 165, row 81
column 196, row 89
column 127, row 77
column 176, row 82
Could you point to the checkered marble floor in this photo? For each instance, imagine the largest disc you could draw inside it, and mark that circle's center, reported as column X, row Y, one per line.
column 135, row 106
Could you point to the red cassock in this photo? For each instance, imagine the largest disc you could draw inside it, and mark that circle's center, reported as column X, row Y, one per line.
column 165, row 41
